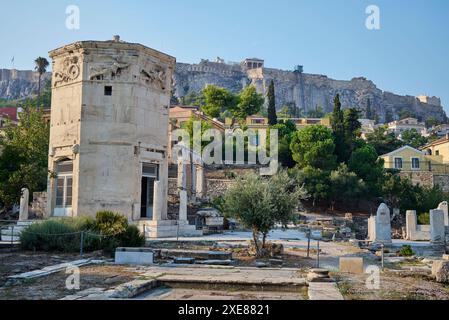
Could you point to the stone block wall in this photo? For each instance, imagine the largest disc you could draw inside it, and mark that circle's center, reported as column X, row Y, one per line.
column 428, row 179
column 441, row 180
column 214, row 188
column 39, row 205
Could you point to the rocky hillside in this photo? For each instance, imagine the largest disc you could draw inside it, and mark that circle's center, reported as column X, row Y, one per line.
column 305, row 91
column 16, row 84
column 294, row 88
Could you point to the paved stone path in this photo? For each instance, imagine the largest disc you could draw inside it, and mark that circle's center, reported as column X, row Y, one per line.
column 228, row 275
column 324, row 291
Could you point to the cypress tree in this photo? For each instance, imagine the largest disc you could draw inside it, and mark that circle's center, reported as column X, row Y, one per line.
column 337, row 121
column 272, row 117
column 369, row 112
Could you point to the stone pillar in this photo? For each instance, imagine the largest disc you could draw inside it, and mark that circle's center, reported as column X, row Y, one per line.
column 158, row 201
column 193, row 179
column 182, row 205
column 383, row 224
column 164, row 191
column 200, row 183
column 444, row 206
column 24, row 200
column 437, row 228
column 182, row 175
column 372, row 228
column 411, row 223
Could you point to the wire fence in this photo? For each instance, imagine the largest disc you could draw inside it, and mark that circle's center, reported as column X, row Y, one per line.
column 14, row 232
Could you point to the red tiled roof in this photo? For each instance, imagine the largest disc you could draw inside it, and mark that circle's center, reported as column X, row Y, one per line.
column 9, row 112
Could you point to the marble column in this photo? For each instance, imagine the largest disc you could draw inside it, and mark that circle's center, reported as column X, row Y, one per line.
column 182, row 205
column 437, row 228
column 200, row 183
column 24, row 201
column 158, row 201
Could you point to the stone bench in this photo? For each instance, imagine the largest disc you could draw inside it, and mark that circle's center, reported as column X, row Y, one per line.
column 134, row 256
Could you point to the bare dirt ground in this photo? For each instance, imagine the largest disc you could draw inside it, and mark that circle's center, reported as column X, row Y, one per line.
column 53, row 287
column 16, row 262
column 393, row 286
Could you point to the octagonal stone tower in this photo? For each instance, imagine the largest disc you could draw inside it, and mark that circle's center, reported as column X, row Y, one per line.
column 109, row 130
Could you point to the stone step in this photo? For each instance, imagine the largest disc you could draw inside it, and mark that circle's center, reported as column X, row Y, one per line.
column 25, row 223
column 11, row 231
column 9, row 238
column 196, row 254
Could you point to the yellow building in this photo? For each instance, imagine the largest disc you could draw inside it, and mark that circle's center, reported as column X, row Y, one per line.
column 259, row 122
column 412, row 160
column 439, row 148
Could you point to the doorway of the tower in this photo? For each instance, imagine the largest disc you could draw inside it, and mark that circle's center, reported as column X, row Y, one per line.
column 149, row 176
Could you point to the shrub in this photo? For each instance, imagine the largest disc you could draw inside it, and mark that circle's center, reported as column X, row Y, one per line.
column 111, row 223
column 132, row 237
column 406, row 251
column 107, row 232
column 424, row 218
column 52, row 235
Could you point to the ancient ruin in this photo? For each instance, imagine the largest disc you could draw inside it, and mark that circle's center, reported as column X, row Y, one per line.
column 379, row 226
column 109, row 133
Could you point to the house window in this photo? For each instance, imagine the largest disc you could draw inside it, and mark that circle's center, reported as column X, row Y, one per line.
column 415, row 163
column 437, row 152
column 64, row 182
column 108, row 90
column 398, row 163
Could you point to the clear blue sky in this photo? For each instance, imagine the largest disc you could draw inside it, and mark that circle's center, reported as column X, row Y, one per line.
column 408, row 55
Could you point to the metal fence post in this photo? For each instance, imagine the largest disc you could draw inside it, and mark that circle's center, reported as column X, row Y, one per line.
column 81, row 243
column 383, row 255
column 12, row 237
column 318, row 255
column 308, row 243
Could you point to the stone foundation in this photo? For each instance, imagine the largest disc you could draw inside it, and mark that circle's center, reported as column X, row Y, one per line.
column 428, row 179
column 168, row 229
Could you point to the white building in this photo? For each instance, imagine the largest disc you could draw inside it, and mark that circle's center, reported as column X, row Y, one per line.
column 399, row 126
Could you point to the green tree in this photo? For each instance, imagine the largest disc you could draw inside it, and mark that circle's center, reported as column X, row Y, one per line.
column 383, row 141
column 249, row 102
column 399, row 192
column 315, row 181
column 345, row 185
column 352, row 131
column 41, row 67
column 413, row 139
column 285, row 113
column 286, row 130
column 188, row 126
column 318, row 112
column 272, row 118
column 259, row 204
column 405, row 113
column 388, row 116
column 216, row 100
column 24, row 156
column 365, row 162
column 314, row 146
column 369, row 114
column 431, row 122
column 338, row 127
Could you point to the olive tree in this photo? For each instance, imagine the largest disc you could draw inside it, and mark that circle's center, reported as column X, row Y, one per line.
column 260, row 203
